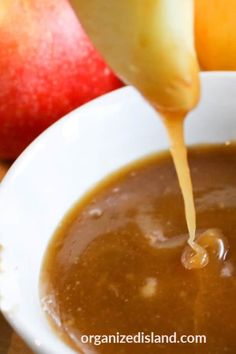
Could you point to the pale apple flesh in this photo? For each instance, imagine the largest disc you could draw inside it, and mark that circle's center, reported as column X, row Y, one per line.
column 150, row 44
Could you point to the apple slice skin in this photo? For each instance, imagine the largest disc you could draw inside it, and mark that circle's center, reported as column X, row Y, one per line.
column 150, row 44
column 48, row 68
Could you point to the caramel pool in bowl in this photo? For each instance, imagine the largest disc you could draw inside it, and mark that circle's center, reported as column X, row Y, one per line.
column 114, row 264
column 66, row 162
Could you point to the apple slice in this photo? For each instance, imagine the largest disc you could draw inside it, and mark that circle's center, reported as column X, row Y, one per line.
column 150, row 44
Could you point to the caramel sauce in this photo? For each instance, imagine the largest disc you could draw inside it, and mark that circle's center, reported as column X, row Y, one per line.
column 175, row 129
column 114, row 264
column 174, row 124
column 154, row 51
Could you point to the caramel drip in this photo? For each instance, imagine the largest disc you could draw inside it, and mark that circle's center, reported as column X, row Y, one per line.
column 215, row 243
column 175, row 128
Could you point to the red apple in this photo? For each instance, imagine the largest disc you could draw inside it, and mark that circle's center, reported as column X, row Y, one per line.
column 48, row 67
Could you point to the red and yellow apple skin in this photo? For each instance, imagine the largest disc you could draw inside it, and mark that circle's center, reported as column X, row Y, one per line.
column 215, row 34
column 48, row 67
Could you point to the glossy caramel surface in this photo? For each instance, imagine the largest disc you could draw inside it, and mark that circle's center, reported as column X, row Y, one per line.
column 114, row 264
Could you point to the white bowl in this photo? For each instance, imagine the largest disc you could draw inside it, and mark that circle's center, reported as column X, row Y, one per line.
column 65, row 162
